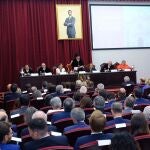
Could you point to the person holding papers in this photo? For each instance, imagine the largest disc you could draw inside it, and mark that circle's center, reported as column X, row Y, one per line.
column 43, row 69
column 60, row 69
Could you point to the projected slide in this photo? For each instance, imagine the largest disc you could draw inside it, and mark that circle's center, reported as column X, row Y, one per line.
column 120, row 26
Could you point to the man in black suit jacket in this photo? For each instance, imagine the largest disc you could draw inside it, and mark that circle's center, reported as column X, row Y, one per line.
column 41, row 138
column 107, row 66
column 43, row 69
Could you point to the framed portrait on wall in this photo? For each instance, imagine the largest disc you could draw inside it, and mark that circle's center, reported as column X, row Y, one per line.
column 69, row 22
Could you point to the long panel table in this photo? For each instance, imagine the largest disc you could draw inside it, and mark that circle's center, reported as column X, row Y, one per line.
column 107, row 78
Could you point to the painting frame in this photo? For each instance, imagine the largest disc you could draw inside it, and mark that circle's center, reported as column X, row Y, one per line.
column 69, row 22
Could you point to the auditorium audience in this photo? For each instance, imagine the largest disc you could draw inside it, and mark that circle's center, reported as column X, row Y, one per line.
column 99, row 103
column 5, row 137
column 147, row 85
column 123, row 65
column 59, row 91
column 68, row 105
column 24, row 102
column 39, row 132
column 43, row 69
column 116, row 110
column 78, row 117
column 138, row 97
column 97, row 123
column 139, row 125
column 60, row 69
column 146, row 112
column 128, row 104
column 123, row 141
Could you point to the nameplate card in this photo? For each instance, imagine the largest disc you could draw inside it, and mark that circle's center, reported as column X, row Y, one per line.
column 120, row 125
column 48, row 74
column 49, row 123
column 82, row 72
column 39, row 98
column 95, row 71
column 63, row 73
column 16, row 139
column 56, row 133
column 135, row 111
column 14, row 116
column 114, row 70
column 34, row 74
column 103, row 142
column 127, row 69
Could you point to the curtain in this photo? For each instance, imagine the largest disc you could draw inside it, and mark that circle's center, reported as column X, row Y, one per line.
column 28, row 35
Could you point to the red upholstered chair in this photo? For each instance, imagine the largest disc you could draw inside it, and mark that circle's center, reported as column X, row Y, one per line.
column 62, row 123
column 57, row 148
column 17, row 120
column 37, row 103
column 26, row 138
column 140, row 107
column 46, row 108
column 75, row 133
column 143, row 141
column 93, row 146
column 63, row 98
column 49, row 114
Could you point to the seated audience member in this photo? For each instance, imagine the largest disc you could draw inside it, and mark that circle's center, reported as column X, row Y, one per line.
column 123, row 65
column 27, row 89
column 127, row 81
column 33, row 89
column 60, row 69
column 12, row 95
column 8, row 88
column 107, row 66
column 39, row 132
column 123, row 141
column 90, row 68
column 78, row 117
column 139, row 125
column 146, row 86
column 97, row 123
column 77, row 64
column 43, row 69
column 138, row 97
column 36, row 94
column 110, row 99
column 103, row 93
column 68, row 105
column 78, row 84
column 5, row 137
column 121, row 95
column 27, row 118
column 99, row 87
column 42, row 115
column 128, row 104
column 83, row 90
column 59, row 91
column 86, row 102
column 24, row 102
column 4, row 117
column 146, row 113
column 27, row 70
column 116, row 110
column 142, row 82
column 44, row 87
column 99, row 103
column 77, row 96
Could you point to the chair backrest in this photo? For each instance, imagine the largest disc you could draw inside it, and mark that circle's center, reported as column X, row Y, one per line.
column 129, row 89
column 72, row 135
column 140, row 107
column 46, row 108
column 143, row 141
column 19, row 119
column 26, row 138
column 49, row 114
column 37, row 103
column 62, row 123
column 57, row 148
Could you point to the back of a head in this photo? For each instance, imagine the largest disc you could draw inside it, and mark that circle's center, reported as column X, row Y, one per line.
column 100, row 86
column 59, row 89
column 28, row 87
column 28, row 114
column 99, row 102
column 68, row 104
column 14, row 87
column 121, row 94
column 110, row 96
column 77, row 96
column 129, row 102
column 83, row 90
column 44, row 84
column 4, row 130
column 122, row 141
column 51, row 88
column 38, row 125
column 33, row 89
column 103, row 93
column 39, row 114
column 139, row 124
column 116, row 108
column 126, row 79
column 36, row 94
column 78, row 114
column 24, row 99
column 86, row 102
column 78, row 83
column 138, row 92
column 148, row 81
column 146, row 113
column 56, row 103
column 97, row 121
column 3, row 115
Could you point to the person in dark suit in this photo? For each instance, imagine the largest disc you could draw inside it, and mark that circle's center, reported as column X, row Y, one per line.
column 138, row 97
column 107, row 66
column 43, row 69
column 5, row 137
column 127, row 81
column 116, row 110
column 68, row 104
column 12, row 95
column 24, row 101
column 41, row 138
column 128, row 104
column 78, row 117
column 26, row 70
column 77, row 64
column 70, row 23
column 97, row 123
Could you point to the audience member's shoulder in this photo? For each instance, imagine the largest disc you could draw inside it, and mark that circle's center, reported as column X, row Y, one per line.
column 10, row 147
